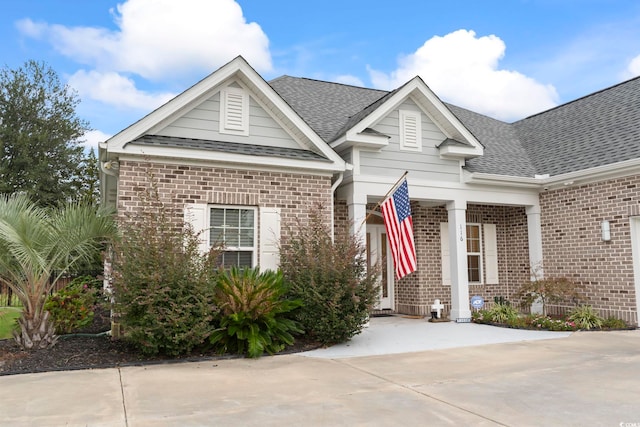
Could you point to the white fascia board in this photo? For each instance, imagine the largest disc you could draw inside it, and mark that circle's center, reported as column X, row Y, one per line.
column 545, row 182
column 441, row 192
column 595, row 174
column 363, row 141
column 270, row 167
column 456, row 152
column 502, row 180
column 279, row 163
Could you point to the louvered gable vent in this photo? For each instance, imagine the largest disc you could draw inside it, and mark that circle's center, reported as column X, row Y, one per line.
column 410, row 131
column 234, row 111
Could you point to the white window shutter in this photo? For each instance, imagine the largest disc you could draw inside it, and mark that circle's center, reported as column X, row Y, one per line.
column 269, row 238
column 490, row 254
column 444, row 253
column 197, row 215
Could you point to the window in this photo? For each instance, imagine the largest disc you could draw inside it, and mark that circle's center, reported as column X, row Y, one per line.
column 474, row 254
column 234, row 111
column 235, row 228
column 481, row 252
column 410, row 131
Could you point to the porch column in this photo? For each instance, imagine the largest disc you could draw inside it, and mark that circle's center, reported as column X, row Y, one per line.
column 357, row 205
column 534, row 228
column 460, row 311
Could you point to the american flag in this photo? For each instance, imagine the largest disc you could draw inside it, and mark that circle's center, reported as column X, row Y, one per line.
column 397, row 220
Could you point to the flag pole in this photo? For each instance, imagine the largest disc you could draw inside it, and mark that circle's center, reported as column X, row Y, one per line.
column 385, row 197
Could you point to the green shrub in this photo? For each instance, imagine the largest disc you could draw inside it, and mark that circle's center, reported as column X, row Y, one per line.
column 502, row 313
column 163, row 287
column 330, row 278
column 585, row 317
column 253, row 313
column 613, row 323
column 73, row 306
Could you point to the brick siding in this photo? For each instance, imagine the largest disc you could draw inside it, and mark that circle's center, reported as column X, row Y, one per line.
column 295, row 194
column 573, row 247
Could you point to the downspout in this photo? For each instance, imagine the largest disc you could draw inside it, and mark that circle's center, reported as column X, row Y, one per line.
column 334, row 187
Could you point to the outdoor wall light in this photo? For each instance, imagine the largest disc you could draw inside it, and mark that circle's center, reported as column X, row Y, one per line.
column 606, row 231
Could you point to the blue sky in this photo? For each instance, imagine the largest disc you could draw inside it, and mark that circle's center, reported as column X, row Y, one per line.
column 504, row 58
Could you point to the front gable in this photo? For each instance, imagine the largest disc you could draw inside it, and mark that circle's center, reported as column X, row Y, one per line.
column 415, row 93
column 232, row 105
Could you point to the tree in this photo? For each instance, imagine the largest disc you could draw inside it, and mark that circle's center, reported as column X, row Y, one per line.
column 88, row 184
column 39, row 134
column 37, row 246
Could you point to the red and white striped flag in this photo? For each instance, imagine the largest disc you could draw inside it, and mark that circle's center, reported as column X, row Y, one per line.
column 397, row 220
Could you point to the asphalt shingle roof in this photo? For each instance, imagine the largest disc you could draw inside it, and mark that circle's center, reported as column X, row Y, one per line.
column 228, row 147
column 598, row 129
column 326, row 107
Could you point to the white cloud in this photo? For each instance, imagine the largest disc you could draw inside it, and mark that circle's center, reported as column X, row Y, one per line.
column 633, row 70
column 93, row 138
column 463, row 69
column 160, row 38
column 114, row 89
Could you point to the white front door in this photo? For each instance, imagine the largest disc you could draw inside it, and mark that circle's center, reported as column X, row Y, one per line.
column 377, row 250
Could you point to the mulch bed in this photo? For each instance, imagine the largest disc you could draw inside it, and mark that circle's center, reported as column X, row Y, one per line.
column 86, row 350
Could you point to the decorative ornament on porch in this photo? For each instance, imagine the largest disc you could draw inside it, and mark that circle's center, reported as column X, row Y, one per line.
column 396, row 212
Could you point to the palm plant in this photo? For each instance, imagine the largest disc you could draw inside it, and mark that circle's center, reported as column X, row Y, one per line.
column 254, row 312
column 37, row 246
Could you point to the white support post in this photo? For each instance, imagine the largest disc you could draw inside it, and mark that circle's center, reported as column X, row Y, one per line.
column 357, row 206
column 534, row 232
column 460, row 311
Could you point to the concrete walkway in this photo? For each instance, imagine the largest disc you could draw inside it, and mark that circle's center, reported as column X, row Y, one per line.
column 584, row 379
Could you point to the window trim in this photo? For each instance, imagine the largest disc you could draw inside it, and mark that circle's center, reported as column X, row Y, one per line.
column 479, row 254
column 254, row 248
column 489, row 260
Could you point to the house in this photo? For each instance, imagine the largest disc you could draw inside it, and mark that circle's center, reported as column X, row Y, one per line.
column 557, row 193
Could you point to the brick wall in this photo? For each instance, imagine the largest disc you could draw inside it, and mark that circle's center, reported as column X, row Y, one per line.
column 178, row 184
column 573, row 247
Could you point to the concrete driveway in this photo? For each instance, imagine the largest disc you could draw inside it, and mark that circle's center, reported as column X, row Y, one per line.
column 579, row 379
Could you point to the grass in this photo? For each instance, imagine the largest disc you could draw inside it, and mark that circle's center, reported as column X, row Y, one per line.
column 8, row 316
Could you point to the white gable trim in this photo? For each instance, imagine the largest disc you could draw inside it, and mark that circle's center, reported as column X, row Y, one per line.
column 430, row 104
column 197, row 93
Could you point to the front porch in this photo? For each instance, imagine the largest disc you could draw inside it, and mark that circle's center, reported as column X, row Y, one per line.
column 481, row 249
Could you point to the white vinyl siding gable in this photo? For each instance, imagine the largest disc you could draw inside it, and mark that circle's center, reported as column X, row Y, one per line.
column 393, row 160
column 234, row 111
column 203, row 122
column 410, row 130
